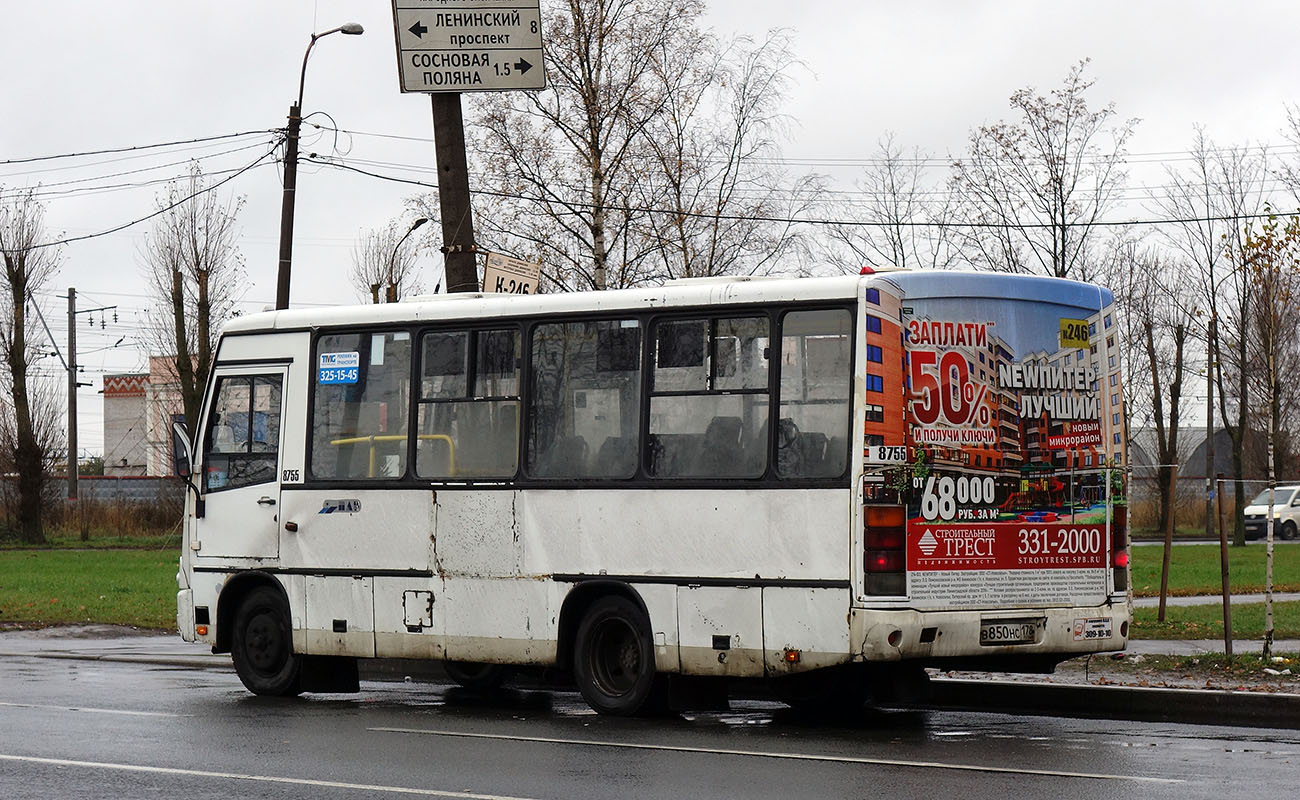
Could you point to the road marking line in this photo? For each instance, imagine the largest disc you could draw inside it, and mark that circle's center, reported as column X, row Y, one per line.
column 237, row 776
column 888, row 762
column 95, row 710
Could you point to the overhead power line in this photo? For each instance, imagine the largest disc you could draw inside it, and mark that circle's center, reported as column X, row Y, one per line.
column 1155, row 156
column 134, row 148
column 260, row 160
column 337, row 164
column 46, row 189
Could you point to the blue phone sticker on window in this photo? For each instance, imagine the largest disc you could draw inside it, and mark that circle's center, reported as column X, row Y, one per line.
column 339, row 368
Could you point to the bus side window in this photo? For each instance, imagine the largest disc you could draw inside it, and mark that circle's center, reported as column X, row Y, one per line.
column 709, row 398
column 468, row 424
column 585, row 401
column 360, row 406
column 816, row 380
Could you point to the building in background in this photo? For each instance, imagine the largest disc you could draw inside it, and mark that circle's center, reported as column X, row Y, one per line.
column 125, row 447
column 139, row 409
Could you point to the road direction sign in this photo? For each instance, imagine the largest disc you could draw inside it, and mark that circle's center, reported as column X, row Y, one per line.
column 468, row 45
column 507, row 275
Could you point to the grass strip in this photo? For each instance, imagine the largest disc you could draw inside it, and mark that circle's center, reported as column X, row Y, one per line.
column 1206, row 622
column 119, row 587
column 1194, row 569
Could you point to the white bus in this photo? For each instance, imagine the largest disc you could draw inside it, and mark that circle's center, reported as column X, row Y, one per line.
column 831, row 483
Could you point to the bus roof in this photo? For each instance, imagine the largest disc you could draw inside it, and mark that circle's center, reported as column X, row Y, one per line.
column 720, row 290
column 475, row 305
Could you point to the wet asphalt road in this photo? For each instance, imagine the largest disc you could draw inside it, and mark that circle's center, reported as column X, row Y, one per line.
column 71, row 728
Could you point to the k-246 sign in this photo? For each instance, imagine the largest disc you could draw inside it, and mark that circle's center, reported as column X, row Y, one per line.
column 506, row 275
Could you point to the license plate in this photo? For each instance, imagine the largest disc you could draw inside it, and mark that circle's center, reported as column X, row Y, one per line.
column 1086, row 630
column 1009, row 631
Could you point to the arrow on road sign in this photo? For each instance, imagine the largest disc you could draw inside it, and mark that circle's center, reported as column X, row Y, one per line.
column 418, row 29
column 522, row 66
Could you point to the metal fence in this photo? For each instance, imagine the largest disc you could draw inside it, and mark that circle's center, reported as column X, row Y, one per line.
column 125, row 489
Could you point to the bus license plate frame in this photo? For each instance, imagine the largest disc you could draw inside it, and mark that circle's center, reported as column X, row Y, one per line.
column 999, row 632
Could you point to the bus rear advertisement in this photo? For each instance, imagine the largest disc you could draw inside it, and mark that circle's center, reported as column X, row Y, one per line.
column 830, row 484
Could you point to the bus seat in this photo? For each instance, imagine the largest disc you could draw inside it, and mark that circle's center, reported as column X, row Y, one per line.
column 837, row 449
column 223, row 440
column 616, row 457
column 789, row 455
column 566, row 458
column 812, row 446
column 755, row 453
column 672, row 454
column 720, row 452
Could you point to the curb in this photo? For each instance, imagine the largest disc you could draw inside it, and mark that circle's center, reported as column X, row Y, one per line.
column 1139, row 704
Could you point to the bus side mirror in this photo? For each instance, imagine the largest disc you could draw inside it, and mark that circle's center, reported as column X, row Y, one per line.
column 183, row 448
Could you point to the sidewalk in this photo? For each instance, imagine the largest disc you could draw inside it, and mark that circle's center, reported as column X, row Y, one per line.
column 1213, row 600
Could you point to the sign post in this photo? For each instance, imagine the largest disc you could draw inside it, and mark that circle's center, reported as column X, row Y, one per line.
column 445, row 47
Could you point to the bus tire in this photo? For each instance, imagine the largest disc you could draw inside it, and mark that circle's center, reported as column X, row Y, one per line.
column 262, row 645
column 613, row 660
column 477, row 677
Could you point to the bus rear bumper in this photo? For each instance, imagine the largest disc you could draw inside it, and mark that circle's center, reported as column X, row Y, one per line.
column 946, row 637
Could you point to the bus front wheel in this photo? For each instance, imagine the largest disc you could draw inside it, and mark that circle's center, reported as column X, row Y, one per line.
column 262, row 645
column 614, row 658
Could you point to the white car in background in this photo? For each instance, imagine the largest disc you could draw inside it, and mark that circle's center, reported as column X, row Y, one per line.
column 1286, row 513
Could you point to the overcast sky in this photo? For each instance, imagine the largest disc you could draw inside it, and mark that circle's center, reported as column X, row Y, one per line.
column 83, row 76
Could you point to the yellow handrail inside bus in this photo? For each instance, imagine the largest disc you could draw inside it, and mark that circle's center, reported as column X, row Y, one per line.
column 400, row 437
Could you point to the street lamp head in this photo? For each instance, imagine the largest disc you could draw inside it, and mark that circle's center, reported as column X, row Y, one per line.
column 352, row 29
column 419, row 222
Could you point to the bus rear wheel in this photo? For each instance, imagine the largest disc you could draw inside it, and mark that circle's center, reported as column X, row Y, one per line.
column 614, row 658
column 262, row 645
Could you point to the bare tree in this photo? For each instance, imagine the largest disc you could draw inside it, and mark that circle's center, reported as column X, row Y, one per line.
column 564, row 157
column 384, row 263
column 651, row 154
column 1036, row 188
column 903, row 220
column 1157, row 321
column 46, row 400
column 1271, row 257
column 1211, row 197
column 28, row 267
column 194, row 268
column 706, row 171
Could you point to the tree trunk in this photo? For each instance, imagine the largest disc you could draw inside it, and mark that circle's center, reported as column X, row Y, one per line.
column 203, row 320
column 598, row 246
column 27, row 454
column 184, row 367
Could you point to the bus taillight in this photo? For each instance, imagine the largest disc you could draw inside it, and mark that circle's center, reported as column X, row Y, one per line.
column 886, row 549
column 1119, row 547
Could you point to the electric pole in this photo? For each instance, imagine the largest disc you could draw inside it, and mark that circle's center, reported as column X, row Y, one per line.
column 72, row 398
column 460, row 264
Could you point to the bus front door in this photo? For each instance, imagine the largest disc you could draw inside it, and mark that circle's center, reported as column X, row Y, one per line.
column 241, row 466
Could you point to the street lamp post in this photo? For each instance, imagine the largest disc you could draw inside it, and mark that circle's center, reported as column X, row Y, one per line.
column 392, row 285
column 291, row 170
